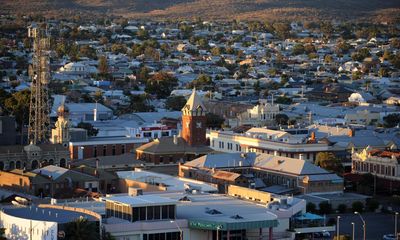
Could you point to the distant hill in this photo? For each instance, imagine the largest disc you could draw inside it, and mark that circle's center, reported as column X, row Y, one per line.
column 370, row 10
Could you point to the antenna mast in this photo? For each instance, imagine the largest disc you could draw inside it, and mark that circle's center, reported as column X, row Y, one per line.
column 39, row 120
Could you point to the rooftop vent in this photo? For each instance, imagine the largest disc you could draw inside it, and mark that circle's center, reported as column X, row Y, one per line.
column 237, row 217
column 213, row 211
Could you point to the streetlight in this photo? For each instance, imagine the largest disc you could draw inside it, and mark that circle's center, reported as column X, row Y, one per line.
column 352, row 236
column 218, row 228
column 180, row 230
column 395, row 224
column 364, row 227
column 337, row 227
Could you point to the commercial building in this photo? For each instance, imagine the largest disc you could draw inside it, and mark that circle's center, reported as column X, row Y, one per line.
column 263, row 140
column 279, row 174
column 104, row 146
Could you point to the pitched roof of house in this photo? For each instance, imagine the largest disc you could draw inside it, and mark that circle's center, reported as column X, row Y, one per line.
column 166, row 145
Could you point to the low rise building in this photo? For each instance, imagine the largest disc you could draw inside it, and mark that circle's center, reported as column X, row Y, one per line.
column 262, row 140
column 104, row 146
column 293, row 175
column 43, row 222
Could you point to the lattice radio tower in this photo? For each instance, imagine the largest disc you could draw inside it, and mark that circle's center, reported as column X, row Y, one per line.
column 39, row 119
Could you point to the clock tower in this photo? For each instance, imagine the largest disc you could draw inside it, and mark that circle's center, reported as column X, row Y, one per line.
column 194, row 121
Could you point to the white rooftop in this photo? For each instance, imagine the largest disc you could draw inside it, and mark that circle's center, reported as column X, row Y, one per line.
column 172, row 184
column 142, row 200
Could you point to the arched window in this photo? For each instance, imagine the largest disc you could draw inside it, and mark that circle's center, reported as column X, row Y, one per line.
column 35, row 164
column 1, row 166
column 51, row 162
column 12, row 165
column 18, row 165
column 63, row 163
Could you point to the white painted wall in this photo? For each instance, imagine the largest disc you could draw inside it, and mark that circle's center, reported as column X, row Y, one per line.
column 19, row 228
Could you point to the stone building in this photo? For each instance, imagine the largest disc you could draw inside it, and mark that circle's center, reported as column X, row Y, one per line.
column 33, row 156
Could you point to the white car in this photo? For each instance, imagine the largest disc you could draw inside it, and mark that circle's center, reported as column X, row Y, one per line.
column 389, row 237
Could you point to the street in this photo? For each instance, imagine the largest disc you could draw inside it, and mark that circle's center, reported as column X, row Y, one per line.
column 378, row 224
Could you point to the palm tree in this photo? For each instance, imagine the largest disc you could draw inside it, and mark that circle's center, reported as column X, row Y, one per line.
column 81, row 229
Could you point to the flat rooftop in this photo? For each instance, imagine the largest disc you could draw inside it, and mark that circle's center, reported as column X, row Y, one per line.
column 47, row 214
column 142, row 200
column 172, row 183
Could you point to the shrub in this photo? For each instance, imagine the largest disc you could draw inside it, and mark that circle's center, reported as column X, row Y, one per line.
column 357, row 206
column 325, row 208
column 342, row 208
column 372, row 205
column 311, row 207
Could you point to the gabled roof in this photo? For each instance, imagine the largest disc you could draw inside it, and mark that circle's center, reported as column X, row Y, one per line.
column 166, row 145
column 52, row 171
column 194, row 102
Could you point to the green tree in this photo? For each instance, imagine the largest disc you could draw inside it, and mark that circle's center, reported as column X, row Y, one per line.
column 325, row 208
column 201, row 81
column 214, row 120
column 342, row 208
column 282, row 30
column 357, row 206
column 283, row 100
column 81, row 229
column 98, row 96
column 361, row 54
column 310, row 207
column 327, row 29
column 103, row 66
column 257, row 87
column 328, row 161
column 372, row 204
column 87, row 51
column 161, row 84
column 118, row 48
column 328, row 58
column 175, row 103
column 139, row 103
column 391, row 120
column 298, row 49
column 18, row 106
column 216, row 51
column 91, row 131
column 143, row 34
column 281, row 119
column 2, row 232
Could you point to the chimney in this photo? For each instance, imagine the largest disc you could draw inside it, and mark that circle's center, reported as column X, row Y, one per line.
column 275, row 153
column 175, row 139
column 134, row 192
column 351, row 132
column 301, row 156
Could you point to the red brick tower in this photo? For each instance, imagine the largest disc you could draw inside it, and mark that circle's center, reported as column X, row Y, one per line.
column 194, row 121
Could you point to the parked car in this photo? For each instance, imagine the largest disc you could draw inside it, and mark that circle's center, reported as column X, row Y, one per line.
column 389, row 237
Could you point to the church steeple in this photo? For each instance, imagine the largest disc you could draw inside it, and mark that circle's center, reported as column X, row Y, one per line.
column 194, row 121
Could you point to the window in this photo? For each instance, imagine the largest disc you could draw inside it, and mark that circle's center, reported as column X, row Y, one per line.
column 147, row 134
column 113, row 150
column 123, row 149
column 150, row 213
column 104, row 150
column 171, row 211
column 95, row 151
